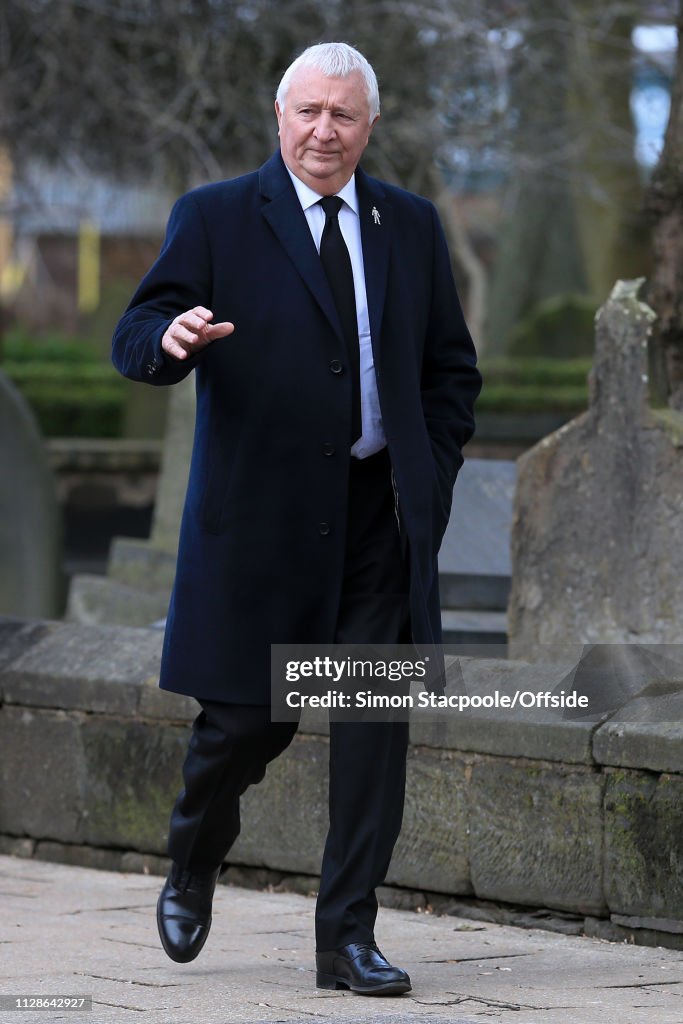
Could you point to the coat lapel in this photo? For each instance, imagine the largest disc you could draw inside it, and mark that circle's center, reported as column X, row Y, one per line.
column 376, row 231
column 288, row 221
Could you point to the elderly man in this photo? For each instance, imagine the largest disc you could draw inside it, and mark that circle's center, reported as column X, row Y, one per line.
column 335, row 382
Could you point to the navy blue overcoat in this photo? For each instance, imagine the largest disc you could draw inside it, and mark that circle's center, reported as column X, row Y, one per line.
column 262, row 538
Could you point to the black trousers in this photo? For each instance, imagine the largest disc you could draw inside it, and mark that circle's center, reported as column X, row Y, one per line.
column 231, row 744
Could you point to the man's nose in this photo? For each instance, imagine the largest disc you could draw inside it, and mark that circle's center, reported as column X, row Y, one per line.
column 324, row 127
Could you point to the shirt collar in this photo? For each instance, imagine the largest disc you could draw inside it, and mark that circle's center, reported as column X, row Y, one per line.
column 308, row 197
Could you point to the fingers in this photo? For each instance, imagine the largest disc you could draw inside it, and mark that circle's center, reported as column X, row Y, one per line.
column 219, row 330
column 195, row 319
column 191, row 331
column 182, row 334
column 172, row 348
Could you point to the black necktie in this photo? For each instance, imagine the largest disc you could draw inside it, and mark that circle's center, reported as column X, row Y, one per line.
column 337, row 263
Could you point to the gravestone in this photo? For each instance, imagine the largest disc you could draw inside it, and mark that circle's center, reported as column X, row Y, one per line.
column 30, row 521
column 137, row 587
column 474, row 561
column 175, row 466
column 598, row 516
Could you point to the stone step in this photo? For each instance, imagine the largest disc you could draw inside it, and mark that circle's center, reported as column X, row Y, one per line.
column 478, row 628
column 474, row 591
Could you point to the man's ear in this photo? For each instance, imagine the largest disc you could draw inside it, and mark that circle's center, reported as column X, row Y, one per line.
column 278, row 114
column 372, row 125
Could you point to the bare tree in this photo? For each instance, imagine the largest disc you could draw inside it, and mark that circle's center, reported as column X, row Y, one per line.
column 665, row 288
column 572, row 198
column 181, row 91
column 474, row 95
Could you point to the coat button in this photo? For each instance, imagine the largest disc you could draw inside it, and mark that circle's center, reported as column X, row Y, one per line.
column 328, row 449
column 336, row 366
column 324, row 529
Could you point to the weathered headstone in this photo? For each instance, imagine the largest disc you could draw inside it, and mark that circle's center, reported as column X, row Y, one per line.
column 474, row 561
column 175, row 466
column 30, row 522
column 598, row 519
column 137, row 587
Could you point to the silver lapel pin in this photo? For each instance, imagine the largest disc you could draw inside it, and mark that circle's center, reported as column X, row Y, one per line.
column 375, row 215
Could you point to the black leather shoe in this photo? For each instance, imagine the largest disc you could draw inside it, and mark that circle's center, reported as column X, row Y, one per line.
column 184, row 912
column 361, row 967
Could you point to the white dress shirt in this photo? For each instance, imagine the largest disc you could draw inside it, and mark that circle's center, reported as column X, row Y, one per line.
column 372, row 438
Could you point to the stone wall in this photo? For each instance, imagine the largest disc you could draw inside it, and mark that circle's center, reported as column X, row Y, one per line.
column 580, row 816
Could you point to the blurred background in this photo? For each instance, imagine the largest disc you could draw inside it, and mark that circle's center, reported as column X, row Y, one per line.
column 534, row 125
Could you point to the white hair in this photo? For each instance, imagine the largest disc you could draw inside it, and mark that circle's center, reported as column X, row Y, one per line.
column 335, row 60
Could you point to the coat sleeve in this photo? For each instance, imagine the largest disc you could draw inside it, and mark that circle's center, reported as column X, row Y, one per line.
column 450, row 380
column 179, row 280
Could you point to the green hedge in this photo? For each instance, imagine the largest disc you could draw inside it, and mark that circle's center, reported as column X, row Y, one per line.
column 83, row 375
column 72, row 400
column 20, row 346
column 74, row 394
column 570, row 372
column 531, row 400
column 534, row 385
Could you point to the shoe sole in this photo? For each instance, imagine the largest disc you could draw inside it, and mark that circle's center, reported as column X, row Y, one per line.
column 336, row 984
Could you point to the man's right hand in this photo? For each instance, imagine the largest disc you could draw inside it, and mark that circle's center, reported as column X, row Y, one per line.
column 192, row 331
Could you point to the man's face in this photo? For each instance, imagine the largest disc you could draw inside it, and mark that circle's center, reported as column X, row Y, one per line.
column 324, row 128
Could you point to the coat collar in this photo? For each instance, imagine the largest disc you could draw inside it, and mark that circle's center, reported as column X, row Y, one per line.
column 284, row 214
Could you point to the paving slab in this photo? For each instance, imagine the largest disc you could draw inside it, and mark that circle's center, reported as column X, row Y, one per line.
column 76, row 931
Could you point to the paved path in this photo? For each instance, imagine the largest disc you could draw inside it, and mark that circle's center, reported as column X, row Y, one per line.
column 75, row 931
